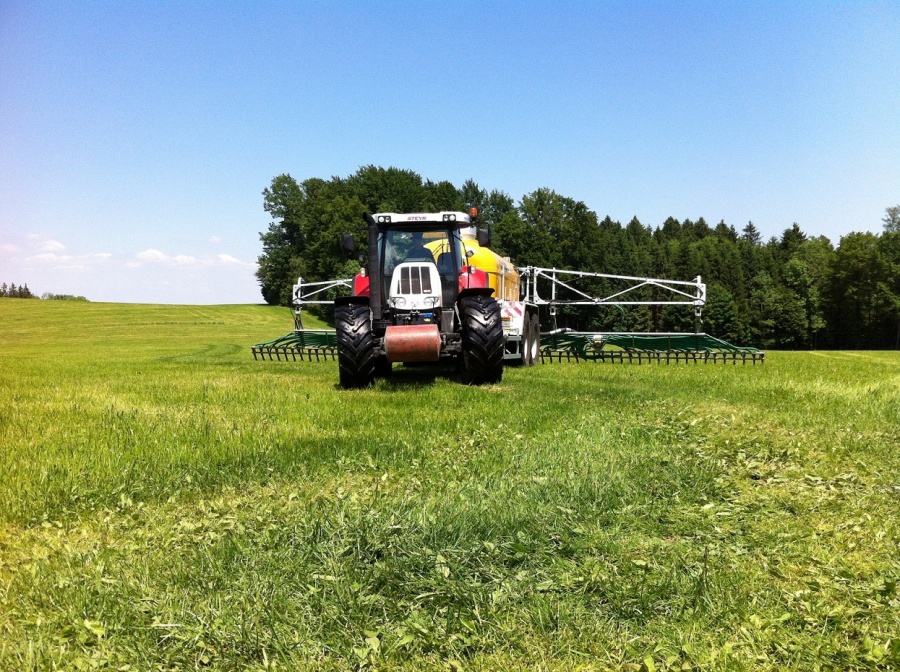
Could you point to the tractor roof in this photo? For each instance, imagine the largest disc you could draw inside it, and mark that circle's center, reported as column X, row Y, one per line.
column 414, row 219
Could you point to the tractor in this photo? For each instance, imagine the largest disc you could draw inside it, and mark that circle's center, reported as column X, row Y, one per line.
column 421, row 297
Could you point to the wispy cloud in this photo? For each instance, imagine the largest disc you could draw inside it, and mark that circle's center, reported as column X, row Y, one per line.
column 72, row 262
column 154, row 256
column 37, row 251
column 229, row 260
column 51, row 245
column 60, row 266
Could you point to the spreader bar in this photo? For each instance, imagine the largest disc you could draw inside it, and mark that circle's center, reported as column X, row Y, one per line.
column 643, row 347
column 301, row 345
column 696, row 296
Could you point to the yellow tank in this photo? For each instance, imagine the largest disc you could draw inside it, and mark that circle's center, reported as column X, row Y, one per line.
column 502, row 275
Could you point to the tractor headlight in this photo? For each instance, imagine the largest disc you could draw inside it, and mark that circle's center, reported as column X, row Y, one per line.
column 398, row 302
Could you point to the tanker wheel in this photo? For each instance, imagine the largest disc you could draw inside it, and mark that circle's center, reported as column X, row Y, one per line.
column 535, row 354
column 527, row 344
column 355, row 346
column 482, row 340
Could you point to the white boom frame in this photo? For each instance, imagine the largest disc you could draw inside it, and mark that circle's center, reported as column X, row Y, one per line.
column 301, row 299
column 685, row 293
column 696, row 296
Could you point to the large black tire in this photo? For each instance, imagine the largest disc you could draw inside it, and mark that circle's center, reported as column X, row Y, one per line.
column 482, row 340
column 355, row 346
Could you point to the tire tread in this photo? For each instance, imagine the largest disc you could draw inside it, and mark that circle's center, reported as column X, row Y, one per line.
column 355, row 346
column 482, row 340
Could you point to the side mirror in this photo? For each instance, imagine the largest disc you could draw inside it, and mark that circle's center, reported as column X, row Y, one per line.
column 348, row 244
column 484, row 237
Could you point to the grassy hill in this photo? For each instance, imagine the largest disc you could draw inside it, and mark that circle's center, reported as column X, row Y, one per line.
column 167, row 502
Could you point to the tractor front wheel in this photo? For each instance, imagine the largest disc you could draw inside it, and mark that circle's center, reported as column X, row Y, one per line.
column 482, row 340
column 355, row 346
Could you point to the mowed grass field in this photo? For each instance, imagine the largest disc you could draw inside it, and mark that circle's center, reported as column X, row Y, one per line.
column 167, row 502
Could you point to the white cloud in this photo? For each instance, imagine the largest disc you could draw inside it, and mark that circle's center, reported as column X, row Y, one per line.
column 48, row 257
column 38, row 242
column 77, row 262
column 178, row 277
column 215, row 240
column 51, row 246
column 229, row 260
column 52, row 257
column 153, row 256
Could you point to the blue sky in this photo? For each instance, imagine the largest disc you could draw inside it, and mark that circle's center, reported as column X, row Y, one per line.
column 136, row 138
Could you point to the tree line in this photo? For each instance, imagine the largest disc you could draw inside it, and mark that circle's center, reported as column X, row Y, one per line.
column 23, row 292
column 793, row 291
column 12, row 292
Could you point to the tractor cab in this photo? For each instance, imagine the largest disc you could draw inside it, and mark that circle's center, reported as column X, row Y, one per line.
column 421, row 269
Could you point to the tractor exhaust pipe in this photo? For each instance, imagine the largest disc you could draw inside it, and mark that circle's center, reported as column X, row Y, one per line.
column 375, row 283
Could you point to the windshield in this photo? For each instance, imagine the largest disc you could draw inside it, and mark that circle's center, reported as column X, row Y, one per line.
column 441, row 247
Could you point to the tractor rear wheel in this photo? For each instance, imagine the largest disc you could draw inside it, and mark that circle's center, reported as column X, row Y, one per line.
column 355, row 346
column 482, row 340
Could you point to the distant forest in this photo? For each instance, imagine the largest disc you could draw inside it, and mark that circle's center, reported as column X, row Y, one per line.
column 22, row 292
column 12, row 292
column 788, row 292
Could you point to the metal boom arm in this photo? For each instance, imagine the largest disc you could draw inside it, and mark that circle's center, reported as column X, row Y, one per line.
column 682, row 292
column 306, row 293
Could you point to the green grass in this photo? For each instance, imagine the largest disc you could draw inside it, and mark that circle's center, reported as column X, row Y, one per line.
column 167, row 502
